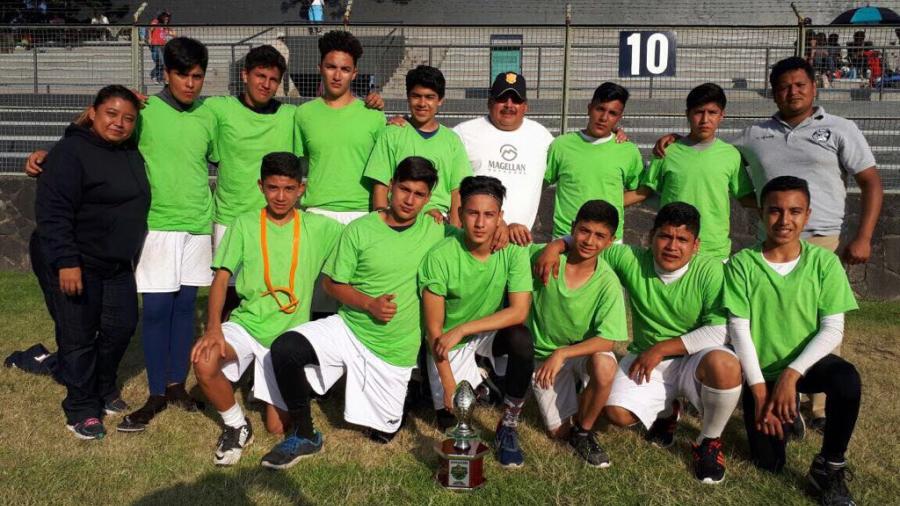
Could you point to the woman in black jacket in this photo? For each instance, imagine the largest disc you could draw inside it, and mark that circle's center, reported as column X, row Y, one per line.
column 91, row 211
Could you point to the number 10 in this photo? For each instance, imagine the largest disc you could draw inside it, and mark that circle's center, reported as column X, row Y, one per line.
column 657, row 49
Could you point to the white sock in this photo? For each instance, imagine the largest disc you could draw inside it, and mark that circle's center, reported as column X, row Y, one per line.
column 233, row 416
column 718, row 405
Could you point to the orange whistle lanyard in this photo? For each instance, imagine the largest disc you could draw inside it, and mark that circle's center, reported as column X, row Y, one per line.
column 292, row 304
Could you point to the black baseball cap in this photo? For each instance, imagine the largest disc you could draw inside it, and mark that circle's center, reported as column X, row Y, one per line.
column 508, row 81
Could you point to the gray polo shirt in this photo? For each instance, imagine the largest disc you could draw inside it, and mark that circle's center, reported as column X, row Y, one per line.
column 821, row 150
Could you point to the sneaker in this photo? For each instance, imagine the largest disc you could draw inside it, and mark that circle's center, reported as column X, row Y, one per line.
column 818, row 424
column 89, row 428
column 379, row 437
column 232, row 443
column 507, row 449
column 177, row 396
column 138, row 420
column 828, row 482
column 709, row 461
column 115, row 406
column 445, row 419
column 585, row 445
column 796, row 430
column 293, row 448
column 662, row 432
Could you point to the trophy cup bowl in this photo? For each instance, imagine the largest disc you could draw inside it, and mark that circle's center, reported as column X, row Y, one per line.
column 461, row 453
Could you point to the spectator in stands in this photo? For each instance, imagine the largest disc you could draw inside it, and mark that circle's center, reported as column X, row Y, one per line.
column 98, row 18
column 820, row 57
column 160, row 33
column 855, row 58
column 874, row 68
column 91, row 212
column 315, row 14
column 892, row 55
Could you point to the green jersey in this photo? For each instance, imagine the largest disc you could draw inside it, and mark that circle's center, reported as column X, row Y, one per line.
column 585, row 171
column 473, row 288
column 703, row 178
column 241, row 252
column 244, row 138
column 561, row 316
column 376, row 260
column 337, row 143
column 444, row 149
column 662, row 311
column 175, row 146
column 785, row 311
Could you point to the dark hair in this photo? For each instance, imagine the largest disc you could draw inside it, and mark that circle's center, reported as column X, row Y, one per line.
column 182, row 53
column 339, row 40
column 481, row 185
column 678, row 214
column 598, row 211
column 116, row 91
column 416, row 168
column 281, row 164
column 706, row 93
column 607, row 92
column 264, row 56
column 788, row 64
column 426, row 77
column 785, row 184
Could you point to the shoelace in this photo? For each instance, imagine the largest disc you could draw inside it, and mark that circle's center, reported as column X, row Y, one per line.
column 837, row 482
column 231, row 437
column 712, row 452
column 90, row 421
column 509, row 439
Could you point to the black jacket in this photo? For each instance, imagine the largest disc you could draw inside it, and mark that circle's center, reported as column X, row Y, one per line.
column 92, row 201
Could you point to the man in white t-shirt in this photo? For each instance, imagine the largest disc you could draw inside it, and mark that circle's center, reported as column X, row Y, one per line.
column 506, row 145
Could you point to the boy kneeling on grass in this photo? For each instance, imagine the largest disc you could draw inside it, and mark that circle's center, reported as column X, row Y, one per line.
column 575, row 318
column 277, row 252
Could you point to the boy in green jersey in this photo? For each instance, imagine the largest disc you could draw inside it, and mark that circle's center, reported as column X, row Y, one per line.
column 374, row 339
column 679, row 334
column 575, row 319
column 786, row 300
column 590, row 164
column 276, row 253
column 463, row 287
column 702, row 170
column 422, row 135
column 336, row 134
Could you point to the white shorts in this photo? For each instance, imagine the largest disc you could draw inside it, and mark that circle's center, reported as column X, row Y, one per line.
column 671, row 379
column 342, row 217
column 249, row 351
column 560, row 402
column 321, row 301
column 464, row 366
column 219, row 234
column 171, row 259
column 375, row 390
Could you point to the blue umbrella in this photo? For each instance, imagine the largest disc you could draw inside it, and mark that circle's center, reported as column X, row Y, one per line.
column 867, row 16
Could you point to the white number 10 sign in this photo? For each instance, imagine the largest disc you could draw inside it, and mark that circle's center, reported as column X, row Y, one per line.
column 646, row 54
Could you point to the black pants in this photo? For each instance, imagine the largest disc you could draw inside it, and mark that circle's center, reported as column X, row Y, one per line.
column 92, row 332
column 517, row 345
column 42, row 272
column 840, row 382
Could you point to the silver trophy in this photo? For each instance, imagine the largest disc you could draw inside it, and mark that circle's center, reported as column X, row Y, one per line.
column 463, row 407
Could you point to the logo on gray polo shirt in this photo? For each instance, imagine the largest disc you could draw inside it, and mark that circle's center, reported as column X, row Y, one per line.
column 821, row 135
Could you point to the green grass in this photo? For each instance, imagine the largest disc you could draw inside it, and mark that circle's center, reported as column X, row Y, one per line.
column 41, row 463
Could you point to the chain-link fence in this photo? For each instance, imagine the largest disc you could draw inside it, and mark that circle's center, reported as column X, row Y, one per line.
column 48, row 74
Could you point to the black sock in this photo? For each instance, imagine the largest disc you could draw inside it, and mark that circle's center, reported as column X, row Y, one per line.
column 303, row 424
column 291, row 353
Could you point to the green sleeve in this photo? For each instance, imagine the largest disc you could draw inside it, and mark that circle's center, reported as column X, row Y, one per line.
column 837, row 296
column 634, row 169
column 609, row 316
column 381, row 164
column 714, row 312
column 551, row 175
column 433, row 274
column 534, row 250
column 215, row 106
column 230, row 252
column 299, row 148
column 519, row 271
column 330, row 236
column 652, row 176
column 740, row 184
column 736, row 297
column 616, row 256
column 461, row 168
column 341, row 264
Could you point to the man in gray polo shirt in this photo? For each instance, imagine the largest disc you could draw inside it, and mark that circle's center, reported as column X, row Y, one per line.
column 802, row 140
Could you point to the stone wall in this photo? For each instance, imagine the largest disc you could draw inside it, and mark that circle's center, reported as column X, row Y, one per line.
column 879, row 279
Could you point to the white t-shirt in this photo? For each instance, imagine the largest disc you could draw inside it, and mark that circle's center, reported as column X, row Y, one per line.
column 518, row 159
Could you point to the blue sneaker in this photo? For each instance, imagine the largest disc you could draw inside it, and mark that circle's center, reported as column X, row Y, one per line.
column 89, row 428
column 290, row 450
column 507, row 450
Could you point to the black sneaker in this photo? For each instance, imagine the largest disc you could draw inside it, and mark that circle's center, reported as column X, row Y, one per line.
column 232, row 443
column 709, row 461
column 177, row 396
column 115, row 406
column 828, row 482
column 818, row 424
column 796, row 430
column 585, row 445
column 662, row 432
column 138, row 420
column 293, row 448
column 379, row 437
column 89, row 428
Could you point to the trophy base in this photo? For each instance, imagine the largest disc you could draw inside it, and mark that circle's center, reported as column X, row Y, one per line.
column 461, row 470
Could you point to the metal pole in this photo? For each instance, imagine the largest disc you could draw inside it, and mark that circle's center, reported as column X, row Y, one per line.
column 766, row 75
column 136, row 61
column 538, row 91
column 563, row 126
column 801, row 32
column 34, row 60
column 430, row 64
